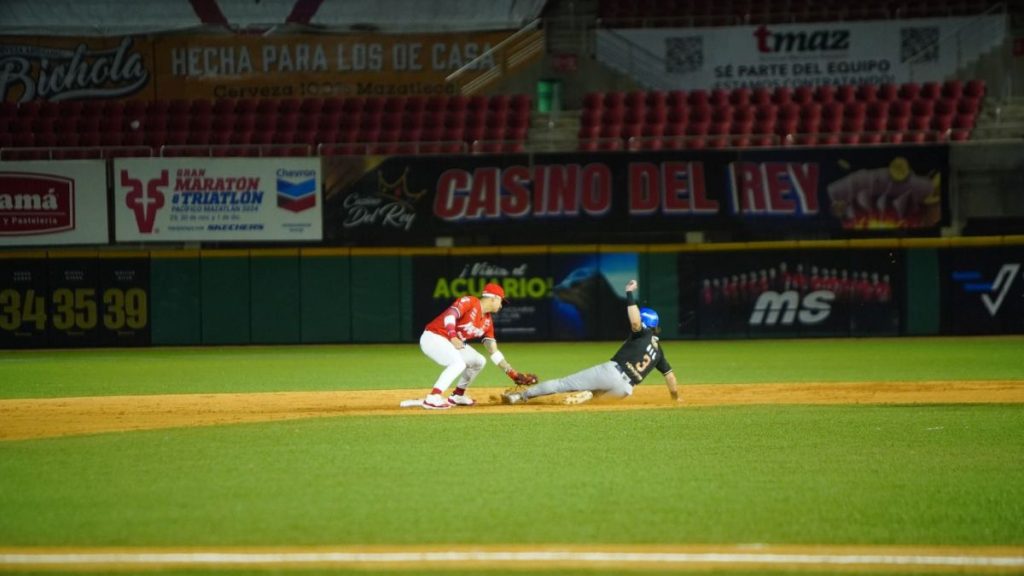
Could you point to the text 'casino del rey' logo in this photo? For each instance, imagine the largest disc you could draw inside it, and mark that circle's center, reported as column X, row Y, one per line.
column 36, row 203
column 391, row 205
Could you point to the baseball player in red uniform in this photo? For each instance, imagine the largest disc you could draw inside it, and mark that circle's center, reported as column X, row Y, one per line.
column 444, row 341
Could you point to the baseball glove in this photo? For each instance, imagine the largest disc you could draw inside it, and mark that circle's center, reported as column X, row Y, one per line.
column 523, row 379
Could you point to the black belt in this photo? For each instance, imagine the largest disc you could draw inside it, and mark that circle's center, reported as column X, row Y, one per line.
column 624, row 373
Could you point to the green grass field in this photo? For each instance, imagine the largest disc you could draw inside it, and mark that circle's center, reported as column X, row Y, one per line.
column 914, row 475
column 62, row 373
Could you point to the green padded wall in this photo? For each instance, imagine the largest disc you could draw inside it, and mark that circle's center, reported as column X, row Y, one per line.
column 406, row 330
column 660, row 283
column 326, row 296
column 175, row 302
column 276, row 293
column 923, row 302
column 226, row 297
column 377, row 299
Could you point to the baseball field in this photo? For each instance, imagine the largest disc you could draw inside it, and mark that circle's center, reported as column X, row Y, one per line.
column 806, row 456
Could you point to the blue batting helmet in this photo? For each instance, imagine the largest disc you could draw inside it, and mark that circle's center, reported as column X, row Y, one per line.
column 649, row 318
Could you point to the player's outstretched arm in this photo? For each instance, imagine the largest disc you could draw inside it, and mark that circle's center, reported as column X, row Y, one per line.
column 520, row 378
column 496, row 356
column 673, row 386
column 632, row 310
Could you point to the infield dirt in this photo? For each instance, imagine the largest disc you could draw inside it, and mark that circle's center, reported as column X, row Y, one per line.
column 22, row 419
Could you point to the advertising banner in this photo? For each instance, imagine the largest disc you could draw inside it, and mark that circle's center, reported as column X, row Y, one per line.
column 74, row 301
column 45, row 203
column 526, row 280
column 74, row 304
column 123, row 297
column 815, row 53
column 588, row 299
column 622, row 197
column 779, row 293
column 75, row 68
column 24, row 302
column 301, row 66
column 982, row 290
column 241, row 66
column 217, row 200
column 574, row 296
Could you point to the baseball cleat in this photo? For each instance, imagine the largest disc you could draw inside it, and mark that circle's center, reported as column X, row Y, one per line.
column 578, row 397
column 462, row 400
column 435, row 402
column 513, row 398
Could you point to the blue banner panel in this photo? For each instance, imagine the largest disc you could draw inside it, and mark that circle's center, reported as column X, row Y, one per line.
column 588, row 301
column 788, row 293
column 982, row 290
column 631, row 197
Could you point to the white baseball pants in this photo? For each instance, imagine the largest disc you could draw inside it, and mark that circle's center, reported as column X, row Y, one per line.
column 605, row 379
column 467, row 362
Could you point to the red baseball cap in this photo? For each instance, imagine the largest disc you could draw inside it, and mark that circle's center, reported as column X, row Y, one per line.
column 492, row 289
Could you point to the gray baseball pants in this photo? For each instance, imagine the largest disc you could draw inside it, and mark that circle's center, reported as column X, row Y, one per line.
column 604, row 379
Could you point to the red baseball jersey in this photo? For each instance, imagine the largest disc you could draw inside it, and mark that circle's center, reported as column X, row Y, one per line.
column 470, row 321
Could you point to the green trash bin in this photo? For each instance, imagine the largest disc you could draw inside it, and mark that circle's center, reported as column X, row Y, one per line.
column 549, row 95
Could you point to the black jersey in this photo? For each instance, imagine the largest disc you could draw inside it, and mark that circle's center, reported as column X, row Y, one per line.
column 639, row 354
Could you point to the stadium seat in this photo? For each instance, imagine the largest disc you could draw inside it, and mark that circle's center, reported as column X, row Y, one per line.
column 974, row 89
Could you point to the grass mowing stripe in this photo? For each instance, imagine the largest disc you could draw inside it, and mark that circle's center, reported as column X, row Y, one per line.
column 928, row 475
column 62, row 373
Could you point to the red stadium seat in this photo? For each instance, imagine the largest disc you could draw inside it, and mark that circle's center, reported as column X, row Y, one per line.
column 846, row 93
column 867, row 92
column 246, row 106
column 959, row 134
column 888, row 92
column 825, row 94
column 698, row 99
column 805, row 95
column 922, row 107
column 930, row 91
column 761, row 96
column 909, row 91
column 719, row 98
column 871, row 138
column 953, row 89
column 974, row 89
column 223, row 107
column 677, row 100
column 782, row 95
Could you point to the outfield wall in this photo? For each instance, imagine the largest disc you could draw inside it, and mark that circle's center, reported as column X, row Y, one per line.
column 326, row 295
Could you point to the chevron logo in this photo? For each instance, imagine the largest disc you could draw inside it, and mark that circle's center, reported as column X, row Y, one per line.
column 296, row 196
column 973, row 283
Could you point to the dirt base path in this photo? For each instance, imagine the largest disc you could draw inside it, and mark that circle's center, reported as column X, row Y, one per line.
column 42, row 418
